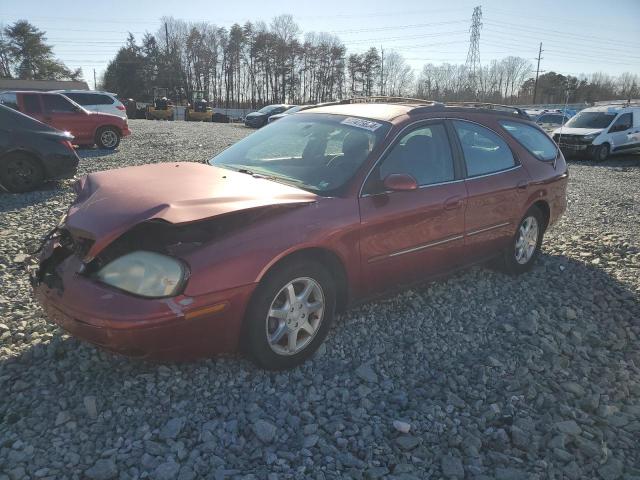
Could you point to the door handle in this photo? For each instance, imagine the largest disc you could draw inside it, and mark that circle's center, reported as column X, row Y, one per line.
column 522, row 185
column 453, row 203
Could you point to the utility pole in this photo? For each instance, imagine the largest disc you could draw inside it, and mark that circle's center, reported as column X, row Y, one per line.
column 166, row 35
column 535, row 85
column 94, row 80
column 382, row 71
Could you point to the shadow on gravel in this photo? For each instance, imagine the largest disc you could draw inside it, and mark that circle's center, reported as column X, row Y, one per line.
column 16, row 201
column 489, row 369
column 91, row 152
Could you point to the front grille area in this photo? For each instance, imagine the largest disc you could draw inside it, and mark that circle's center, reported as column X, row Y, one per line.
column 570, row 139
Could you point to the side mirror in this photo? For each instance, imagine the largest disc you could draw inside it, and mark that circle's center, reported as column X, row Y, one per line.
column 399, row 182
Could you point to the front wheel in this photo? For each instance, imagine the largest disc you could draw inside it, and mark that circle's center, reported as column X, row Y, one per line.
column 601, row 152
column 290, row 314
column 108, row 137
column 20, row 172
column 519, row 256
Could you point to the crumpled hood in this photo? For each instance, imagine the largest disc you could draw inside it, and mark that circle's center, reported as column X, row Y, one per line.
column 111, row 202
column 577, row 131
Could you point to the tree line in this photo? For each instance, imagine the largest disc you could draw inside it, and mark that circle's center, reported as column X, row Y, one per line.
column 255, row 64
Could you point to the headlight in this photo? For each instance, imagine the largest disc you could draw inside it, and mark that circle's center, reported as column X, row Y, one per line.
column 147, row 274
column 589, row 138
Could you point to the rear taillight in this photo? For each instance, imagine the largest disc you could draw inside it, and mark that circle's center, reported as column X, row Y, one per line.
column 121, row 107
column 68, row 144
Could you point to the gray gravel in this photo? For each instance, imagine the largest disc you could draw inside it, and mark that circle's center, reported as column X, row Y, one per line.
column 479, row 376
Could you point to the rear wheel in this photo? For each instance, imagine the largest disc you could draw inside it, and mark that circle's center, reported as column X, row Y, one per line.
column 108, row 137
column 19, row 172
column 290, row 314
column 601, row 152
column 520, row 255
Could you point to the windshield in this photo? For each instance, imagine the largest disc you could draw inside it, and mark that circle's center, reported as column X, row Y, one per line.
column 315, row 152
column 591, row 120
column 295, row 109
column 268, row 108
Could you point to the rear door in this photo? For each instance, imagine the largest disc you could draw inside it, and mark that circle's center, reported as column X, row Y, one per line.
column 411, row 235
column 496, row 187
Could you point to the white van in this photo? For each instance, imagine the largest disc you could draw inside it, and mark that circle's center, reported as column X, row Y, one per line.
column 601, row 130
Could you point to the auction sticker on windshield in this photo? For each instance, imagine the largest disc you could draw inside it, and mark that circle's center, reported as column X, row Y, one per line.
column 361, row 123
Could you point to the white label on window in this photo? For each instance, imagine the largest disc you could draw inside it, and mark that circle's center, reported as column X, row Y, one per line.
column 361, row 123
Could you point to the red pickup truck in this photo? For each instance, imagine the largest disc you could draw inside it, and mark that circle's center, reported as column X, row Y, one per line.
column 62, row 113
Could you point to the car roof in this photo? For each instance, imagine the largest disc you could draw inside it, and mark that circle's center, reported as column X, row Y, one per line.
column 39, row 92
column 613, row 108
column 90, row 92
column 376, row 111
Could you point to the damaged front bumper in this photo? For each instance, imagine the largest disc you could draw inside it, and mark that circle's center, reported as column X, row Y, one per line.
column 177, row 328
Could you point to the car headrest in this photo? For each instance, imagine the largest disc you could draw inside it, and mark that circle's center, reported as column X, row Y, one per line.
column 355, row 143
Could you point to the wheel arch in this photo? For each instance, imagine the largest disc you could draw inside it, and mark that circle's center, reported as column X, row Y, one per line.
column 325, row 257
column 545, row 209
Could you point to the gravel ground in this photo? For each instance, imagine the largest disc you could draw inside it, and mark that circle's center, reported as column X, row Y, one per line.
column 478, row 376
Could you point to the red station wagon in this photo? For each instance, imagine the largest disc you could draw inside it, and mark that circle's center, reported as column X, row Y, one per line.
column 62, row 113
column 324, row 208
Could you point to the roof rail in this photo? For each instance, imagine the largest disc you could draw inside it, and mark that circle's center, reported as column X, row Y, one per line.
column 390, row 99
column 490, row 106
column 618, row 103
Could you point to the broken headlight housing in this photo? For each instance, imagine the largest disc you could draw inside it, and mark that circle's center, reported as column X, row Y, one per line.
column 147, row 274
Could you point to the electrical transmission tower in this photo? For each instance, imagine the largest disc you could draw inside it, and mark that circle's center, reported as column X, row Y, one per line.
column 473, row 57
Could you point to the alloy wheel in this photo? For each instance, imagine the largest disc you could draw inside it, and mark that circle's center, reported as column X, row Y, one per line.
column 295, row 316
column 108, row 138
column 526, row 240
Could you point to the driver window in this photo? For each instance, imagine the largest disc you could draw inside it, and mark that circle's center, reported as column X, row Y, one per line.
column 57, row 103
column 623, row 122
column 423, row 153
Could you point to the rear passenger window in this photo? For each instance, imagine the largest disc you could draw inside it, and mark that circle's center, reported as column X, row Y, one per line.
column 423, row 153
column 10, row 100
column 538, row 143
column 31, row 104
column 484, row 151
column 104, row 100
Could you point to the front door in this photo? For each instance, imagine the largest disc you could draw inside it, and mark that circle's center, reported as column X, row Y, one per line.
column 411, row 235
column 60, row 113
column 620, row 132
column 496, row 186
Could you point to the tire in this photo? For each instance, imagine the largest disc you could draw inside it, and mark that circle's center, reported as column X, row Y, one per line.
column 272, row 295
column 601, row 152
column 519, row 259
column 108, row 138
column 20, row 172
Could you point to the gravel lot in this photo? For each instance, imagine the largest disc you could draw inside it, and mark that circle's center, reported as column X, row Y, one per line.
column 479, row 376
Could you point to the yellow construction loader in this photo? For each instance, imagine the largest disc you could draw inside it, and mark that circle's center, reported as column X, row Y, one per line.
column 199, row 110
column 161, row 108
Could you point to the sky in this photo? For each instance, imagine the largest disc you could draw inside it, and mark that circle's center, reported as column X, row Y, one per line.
column 578, row 37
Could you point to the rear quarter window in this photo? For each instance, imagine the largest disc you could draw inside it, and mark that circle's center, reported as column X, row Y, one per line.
column 536, row 142
column 10, row 100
